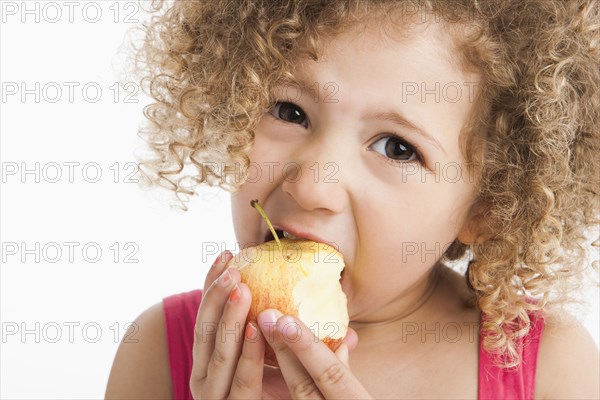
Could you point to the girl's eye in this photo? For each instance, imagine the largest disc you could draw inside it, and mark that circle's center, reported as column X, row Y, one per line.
column 395, row 148
column 289, row 112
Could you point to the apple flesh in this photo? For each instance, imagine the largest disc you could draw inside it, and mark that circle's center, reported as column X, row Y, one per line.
column 302, row 279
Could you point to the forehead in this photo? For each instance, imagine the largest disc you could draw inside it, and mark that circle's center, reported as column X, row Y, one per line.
column 413, row 70
column 424, row 49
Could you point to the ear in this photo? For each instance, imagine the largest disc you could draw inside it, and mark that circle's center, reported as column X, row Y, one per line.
column 466, row 235
column 473, row 230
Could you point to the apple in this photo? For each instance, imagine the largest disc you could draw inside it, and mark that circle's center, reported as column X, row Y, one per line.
column 300, row 278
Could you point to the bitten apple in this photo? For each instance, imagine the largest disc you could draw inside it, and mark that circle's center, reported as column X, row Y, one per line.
column 299, row 278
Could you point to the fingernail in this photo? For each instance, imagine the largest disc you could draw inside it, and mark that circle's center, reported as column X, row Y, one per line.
column 289, row 329
column 234, row 296
column 269, row 318
column 222, row 257
column 251, row 331
column 287, row 323
column 225, row 279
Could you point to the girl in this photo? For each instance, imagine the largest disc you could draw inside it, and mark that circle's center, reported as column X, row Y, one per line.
column 409, row 134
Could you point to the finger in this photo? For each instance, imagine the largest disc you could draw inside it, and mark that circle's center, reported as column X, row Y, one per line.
column 342, row 353
column 332, row 377
column 228, row 343
column 351, row 339
column 247, row 382
column 348, row 344
column 300, row 384
column 217, row 268
column 207, row 323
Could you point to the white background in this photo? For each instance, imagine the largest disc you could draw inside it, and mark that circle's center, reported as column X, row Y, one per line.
column 62, row 321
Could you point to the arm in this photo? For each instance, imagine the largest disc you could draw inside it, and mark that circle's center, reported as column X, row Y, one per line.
column 141, row 370
column 568, row 364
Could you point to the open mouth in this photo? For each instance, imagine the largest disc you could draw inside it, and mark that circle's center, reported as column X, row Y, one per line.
column 280, row 234
column 270, row 236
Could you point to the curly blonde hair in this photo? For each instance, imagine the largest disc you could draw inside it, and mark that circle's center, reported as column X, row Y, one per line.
column 210, row 67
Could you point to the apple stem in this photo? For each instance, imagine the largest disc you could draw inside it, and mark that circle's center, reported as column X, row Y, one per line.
column 254, row 203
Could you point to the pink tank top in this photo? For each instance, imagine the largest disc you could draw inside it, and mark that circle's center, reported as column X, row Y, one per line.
column 494, row 383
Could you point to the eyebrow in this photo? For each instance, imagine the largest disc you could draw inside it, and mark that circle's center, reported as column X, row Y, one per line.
column 300, row 83
column 404, row 122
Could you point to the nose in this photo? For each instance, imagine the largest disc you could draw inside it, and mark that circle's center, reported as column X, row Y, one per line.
column 315, row 182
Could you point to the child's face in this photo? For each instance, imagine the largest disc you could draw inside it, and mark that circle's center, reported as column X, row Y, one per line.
column 332, row 168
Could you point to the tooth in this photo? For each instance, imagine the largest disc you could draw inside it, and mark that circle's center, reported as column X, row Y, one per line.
column 289, row 235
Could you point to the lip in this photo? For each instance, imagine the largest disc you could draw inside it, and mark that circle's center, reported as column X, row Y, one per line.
column 342, row 280
column 300, row 233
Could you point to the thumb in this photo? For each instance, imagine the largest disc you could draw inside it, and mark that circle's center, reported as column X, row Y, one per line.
column 343, row 354
column 351, row 339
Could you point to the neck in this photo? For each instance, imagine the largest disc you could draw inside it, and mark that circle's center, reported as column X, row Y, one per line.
column 431, row 299
column 411, row 301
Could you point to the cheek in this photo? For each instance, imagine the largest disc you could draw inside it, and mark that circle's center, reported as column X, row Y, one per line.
column 262, row 177
column 246, row 220
column 411, row 228
column 242, row 218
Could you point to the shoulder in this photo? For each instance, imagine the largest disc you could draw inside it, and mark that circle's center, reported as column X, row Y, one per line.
column 568, row 363
column 141, row 366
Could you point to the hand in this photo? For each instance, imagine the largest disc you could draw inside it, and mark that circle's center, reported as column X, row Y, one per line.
column 228, row 357
column 228, row 360
column 309, row 367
